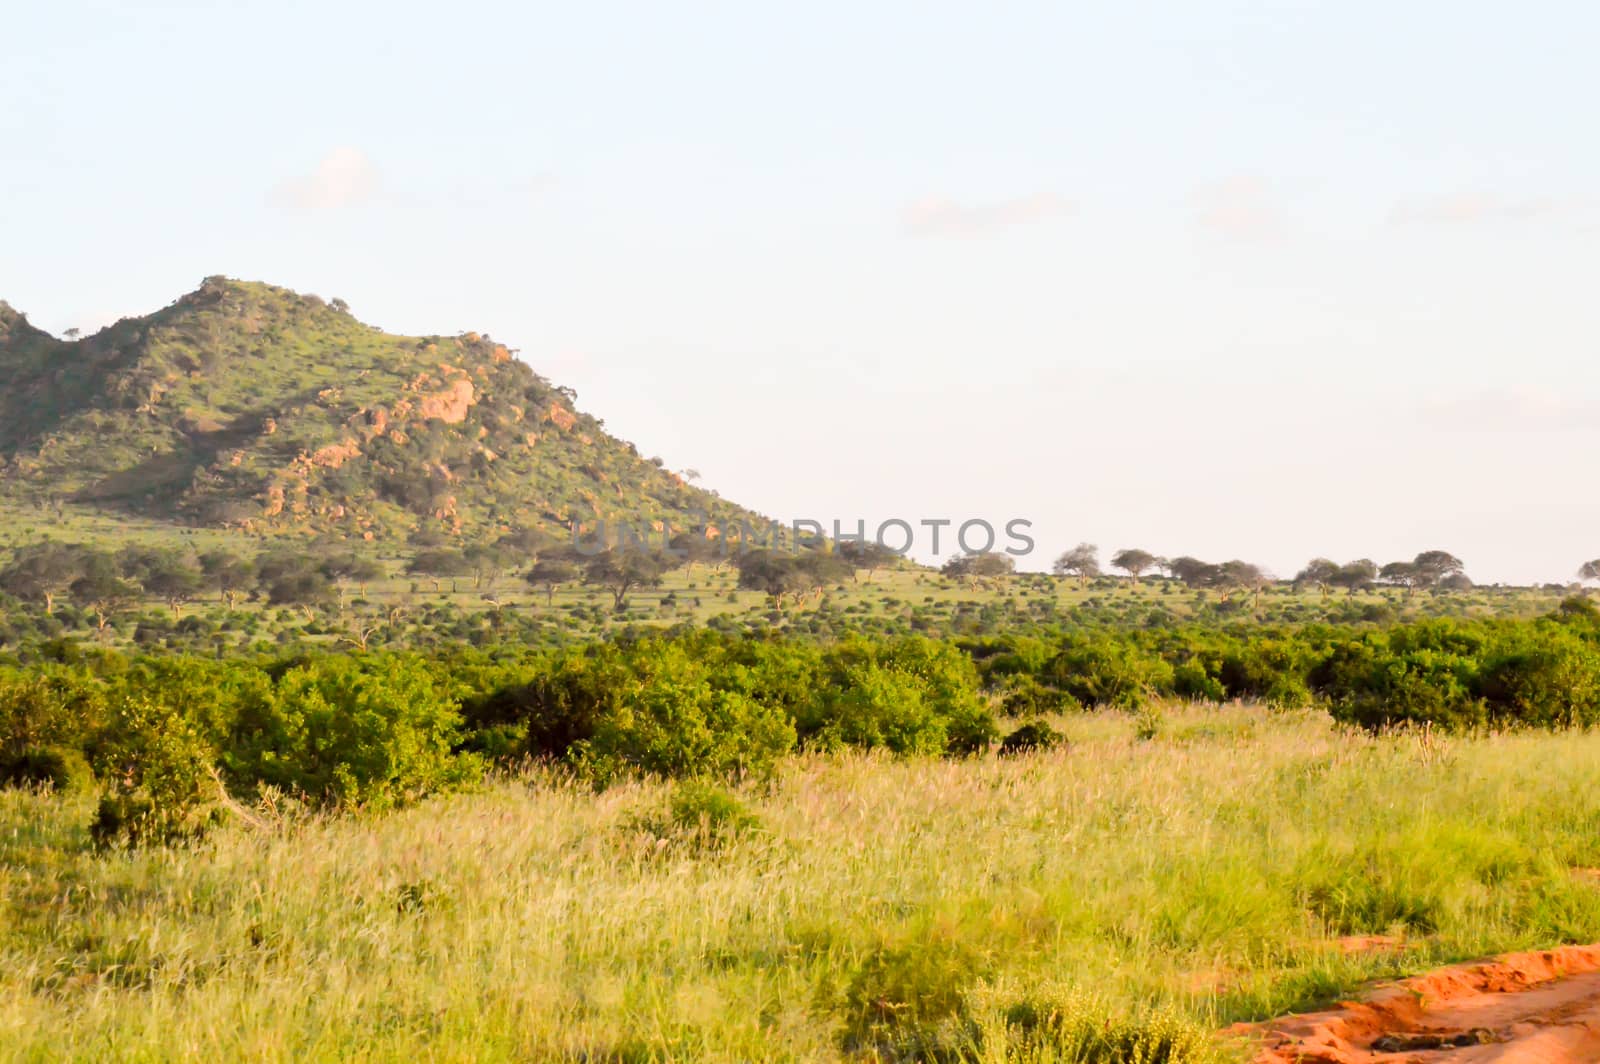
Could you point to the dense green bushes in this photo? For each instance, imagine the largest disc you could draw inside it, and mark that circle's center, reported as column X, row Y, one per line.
column 1543, row 673
column 909, row 696
column 164, row 735
column 373, row 732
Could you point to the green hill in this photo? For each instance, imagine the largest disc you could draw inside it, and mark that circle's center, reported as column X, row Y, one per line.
column 250, row 407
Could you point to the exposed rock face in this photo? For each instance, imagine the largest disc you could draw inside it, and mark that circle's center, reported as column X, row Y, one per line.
column 450, row 405
column 336, row 454
column 560, row 417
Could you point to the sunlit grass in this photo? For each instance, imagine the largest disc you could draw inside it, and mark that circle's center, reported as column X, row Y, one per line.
column 1207, row 871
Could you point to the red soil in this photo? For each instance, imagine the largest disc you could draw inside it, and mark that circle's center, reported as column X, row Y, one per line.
column 1521, row 1008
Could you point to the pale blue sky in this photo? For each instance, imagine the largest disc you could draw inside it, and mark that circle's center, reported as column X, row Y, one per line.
column 1258, row 279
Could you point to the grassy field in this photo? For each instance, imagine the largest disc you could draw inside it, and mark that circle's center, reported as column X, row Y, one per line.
column 1203, row 864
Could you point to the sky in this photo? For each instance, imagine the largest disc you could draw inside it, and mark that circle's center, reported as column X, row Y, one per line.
column 1265, row 280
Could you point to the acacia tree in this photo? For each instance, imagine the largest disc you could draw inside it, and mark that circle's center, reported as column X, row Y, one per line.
column 1356, row 576
column 292, row 577
column 980, row 567
column 774, row 573
column 694, row 548
column 1400, row 574
column 1082, row 562
column 171, row 576
column 228, row 574
column 1243, row 576
column 350, row 568
column 103, row 592
column 1428, row 569
column 1193, row 572
column 438, row 564
column 40, row 572
column 1589, row 572
column 525, row 543
column 1134, row 562
column 1435, row 566
column 866, row 554
column 550, row 571
column 1320, row 573
column 621, row 570
column 821, row 567
column 488, row 562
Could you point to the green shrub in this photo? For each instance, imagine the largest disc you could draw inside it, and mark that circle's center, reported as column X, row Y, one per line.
column 909, row 1002
column 710, row 810
column 1024, row 696
column 1191, row 680
column 159, row 772
column 1421, row 674
column 59, row 768
column 1080, row 1029
column 1509, row 674
column 1540, row 676
column 373, row 732
column 909, row 696
column 870, row 706
column 53, row 706
column 682, row 726
column 1149, row 723
column 698, row 816
column 970, row 731
column 1035, row 735
column 1267, row 670
column 1109, row 672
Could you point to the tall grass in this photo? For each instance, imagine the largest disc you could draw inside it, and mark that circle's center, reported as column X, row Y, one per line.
column 1030, row 908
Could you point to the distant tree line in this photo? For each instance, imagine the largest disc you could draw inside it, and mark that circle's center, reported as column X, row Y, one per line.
column 1434, row 569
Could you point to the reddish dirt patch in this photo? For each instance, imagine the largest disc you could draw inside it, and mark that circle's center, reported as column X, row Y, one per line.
column 1521, row 1008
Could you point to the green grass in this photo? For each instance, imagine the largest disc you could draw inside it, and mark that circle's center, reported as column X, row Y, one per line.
column 860, row 905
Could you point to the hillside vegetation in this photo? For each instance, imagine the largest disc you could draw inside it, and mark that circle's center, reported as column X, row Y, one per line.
column 250, row 407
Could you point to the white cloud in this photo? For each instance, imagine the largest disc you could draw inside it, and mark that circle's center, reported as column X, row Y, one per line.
column 937, row 216
column 1470, row 207
column 1241, row 208
column 344, row 177
column 1513, row 410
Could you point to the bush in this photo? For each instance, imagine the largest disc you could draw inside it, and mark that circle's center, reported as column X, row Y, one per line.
column 1078, row 1028
column 868, row 706
column 1422, row 674
column 556, row 709
column 1024, row 696
column 909, row 696
column 970, row 731
column 909, row 1002
column 1035, row 735
column 1191, row 680
column 374, row 732
column 710, row 810
column 699, row 816
column 1268, row 670
column 1545, row 676
column 58, row 768
column 52, row 707
column 1109, row 672
column 678, row 729
column 160, row 775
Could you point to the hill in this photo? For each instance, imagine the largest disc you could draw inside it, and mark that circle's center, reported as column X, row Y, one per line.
column 251, row 407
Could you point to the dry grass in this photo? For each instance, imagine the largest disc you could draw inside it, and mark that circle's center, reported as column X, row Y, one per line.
column 1207, row 870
